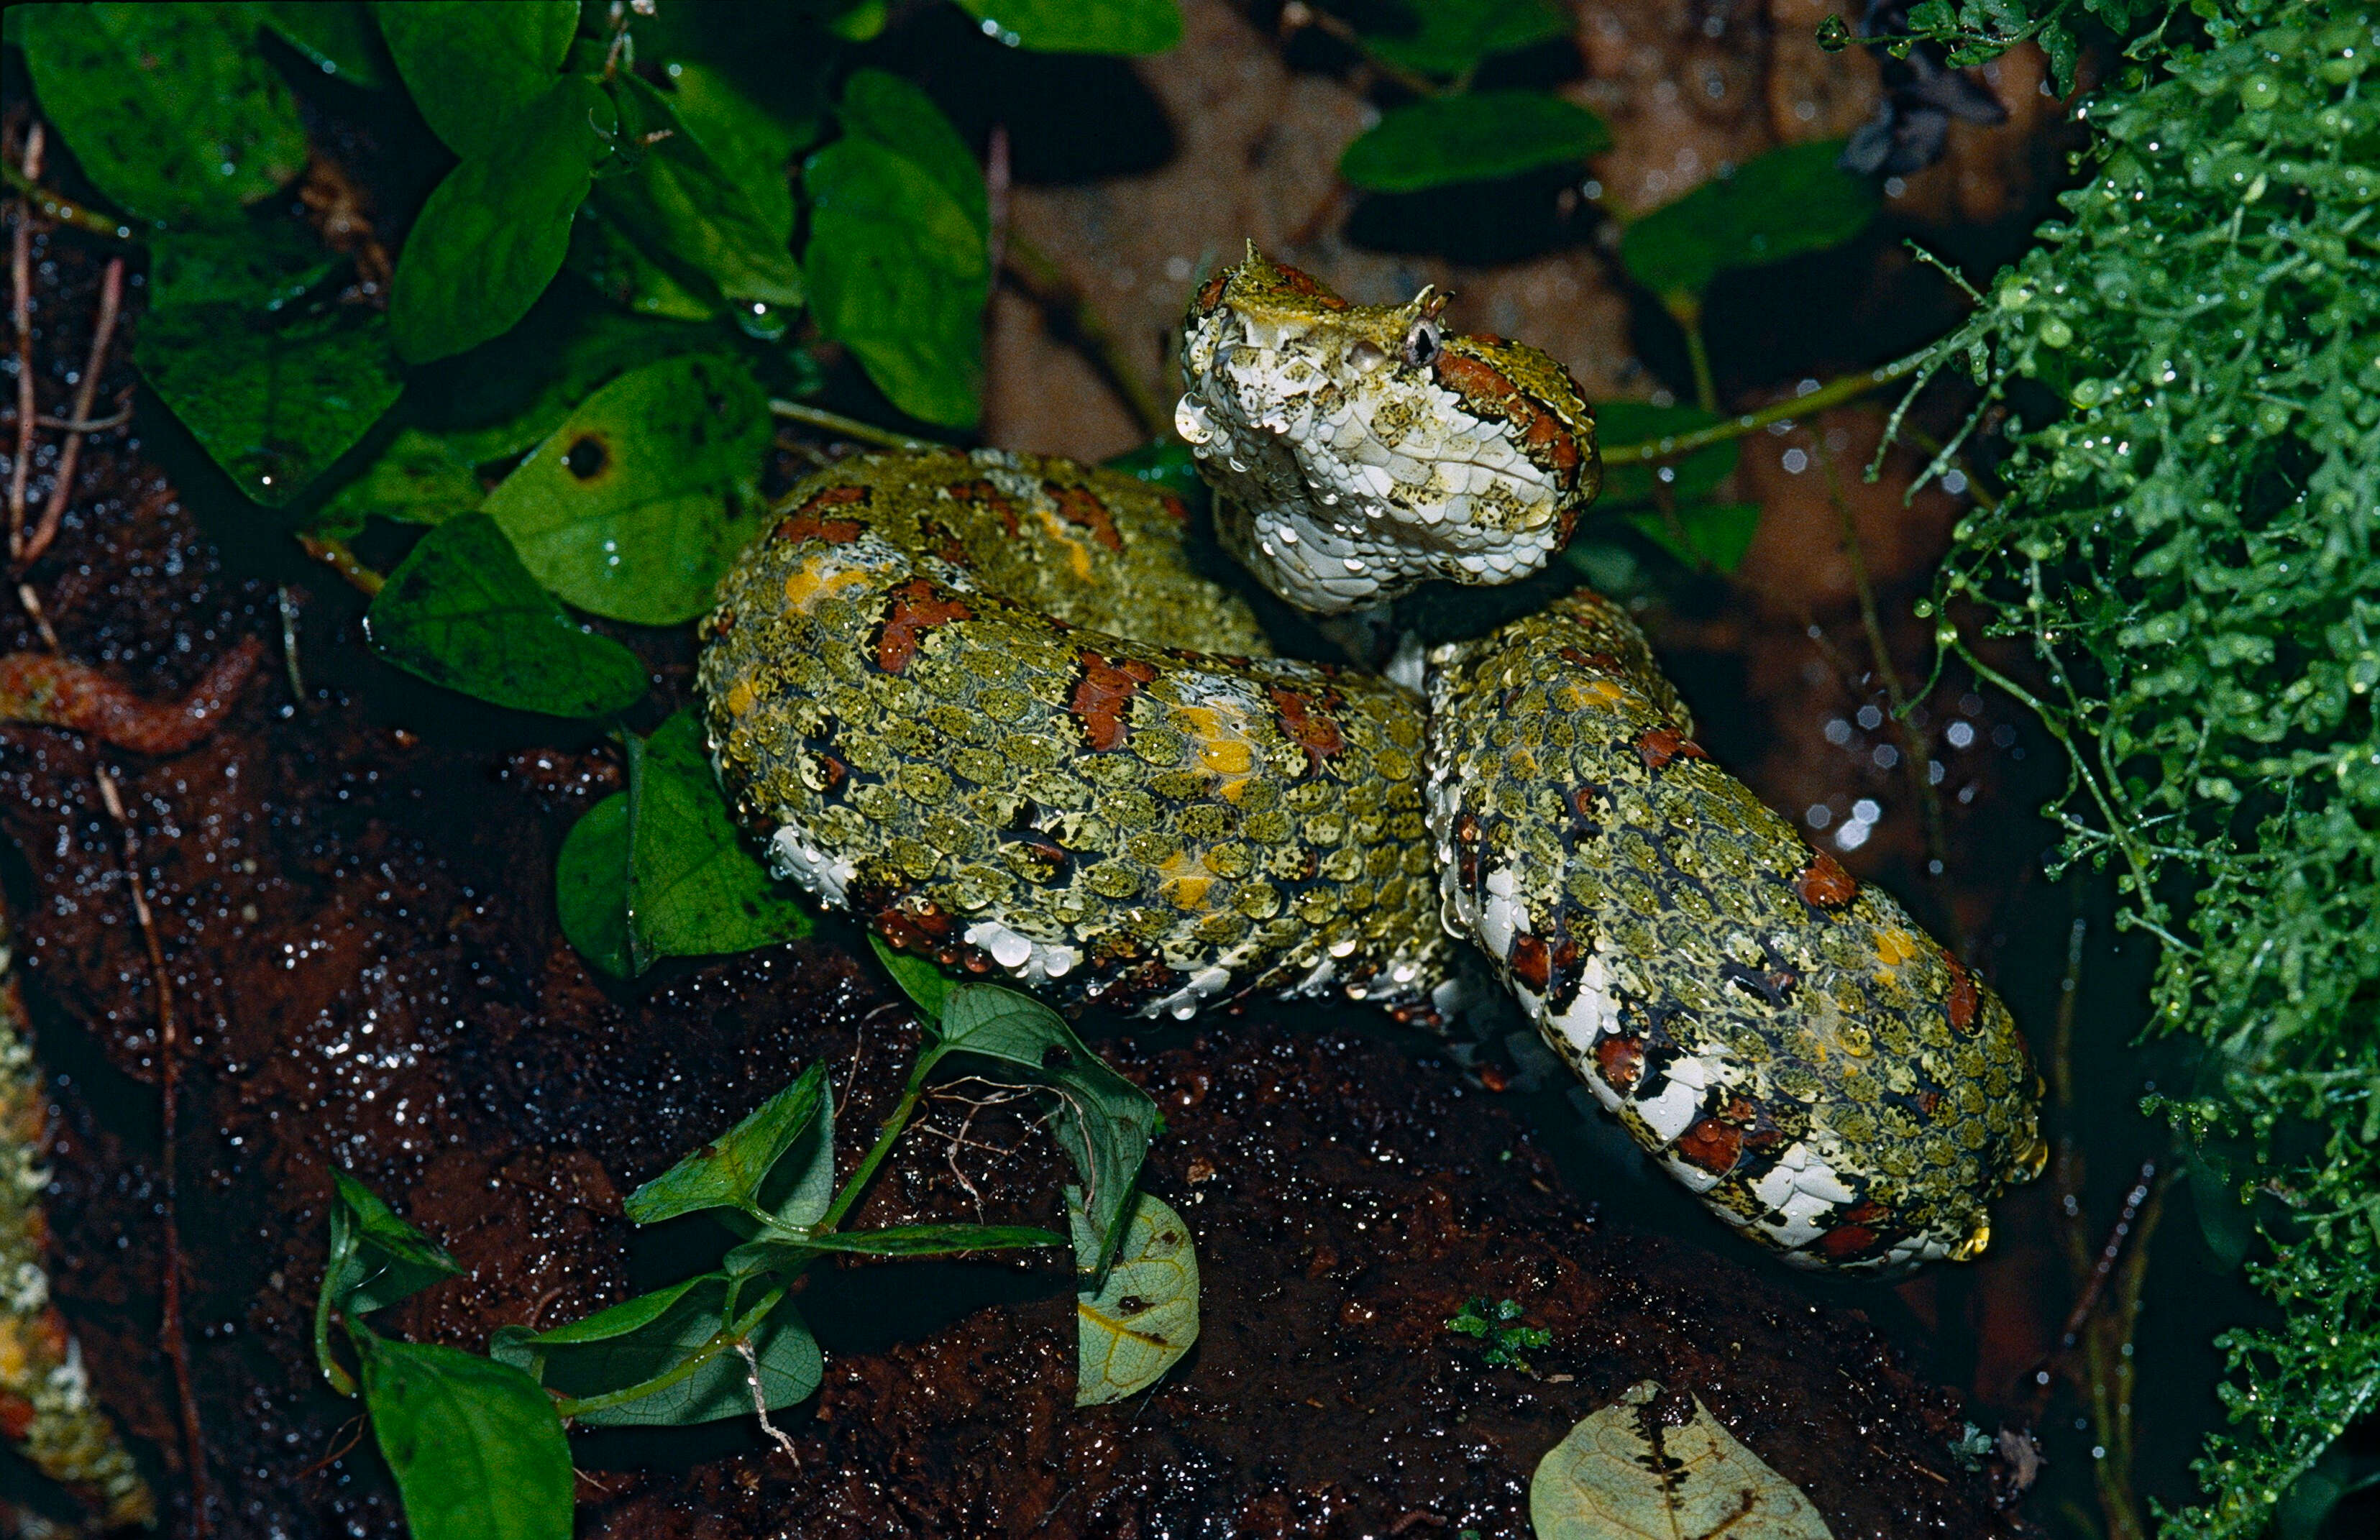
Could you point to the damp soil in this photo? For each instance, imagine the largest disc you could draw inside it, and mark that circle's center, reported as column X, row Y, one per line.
column 351, row 884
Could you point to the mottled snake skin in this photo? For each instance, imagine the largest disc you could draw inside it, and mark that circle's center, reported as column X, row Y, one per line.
column 985, row 702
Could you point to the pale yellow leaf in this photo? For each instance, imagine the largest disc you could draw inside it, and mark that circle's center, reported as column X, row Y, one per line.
column 1139, row 1326
column 1627, row 1472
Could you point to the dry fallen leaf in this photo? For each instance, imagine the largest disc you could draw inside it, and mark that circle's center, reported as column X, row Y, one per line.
column 1630, row 1471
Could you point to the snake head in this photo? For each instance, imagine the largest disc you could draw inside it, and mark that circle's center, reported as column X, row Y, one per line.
column 1363, row 449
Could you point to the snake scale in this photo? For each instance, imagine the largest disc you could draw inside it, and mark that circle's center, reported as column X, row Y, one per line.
column 986, row 702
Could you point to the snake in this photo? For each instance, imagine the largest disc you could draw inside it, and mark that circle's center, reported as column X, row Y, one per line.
column 1003, row 710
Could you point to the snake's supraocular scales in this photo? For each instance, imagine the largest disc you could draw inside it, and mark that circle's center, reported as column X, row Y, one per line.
column 985, row 701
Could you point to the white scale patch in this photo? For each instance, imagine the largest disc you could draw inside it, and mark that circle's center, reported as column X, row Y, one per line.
column 822, row 876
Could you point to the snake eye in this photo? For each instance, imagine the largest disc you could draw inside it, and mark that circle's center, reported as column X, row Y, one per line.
column 1421, row 344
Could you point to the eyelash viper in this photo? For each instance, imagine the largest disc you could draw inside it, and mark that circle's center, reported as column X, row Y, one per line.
column 986, row 702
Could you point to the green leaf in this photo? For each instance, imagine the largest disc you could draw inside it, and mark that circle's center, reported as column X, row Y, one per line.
column 506, row 397
column 1101, row 1121
column 418, row 478
column 1713, row 535
column 273, row 379
column 590, row 886
column 461, row 612
column 1137, row 1324
column 494, row 233
column 376, row 1257
column 927, row 986
column 752, row 146
column 470, row 66
column 1080, row 26
column 338, row 38
column 935, row 1239
column 694, row 888
column 602, row 254
column 644, row 1338
column 1692, row 476
column 1166, row 464
column 1451, row 36
column 902, row 118
column 729, row 1171
column 475, row 1445
column 1778, row 205
column 631, row 508
column 897, row 266
column 1633, row 1470
column 1472, row 137
column 683, row 211
column 170, row 109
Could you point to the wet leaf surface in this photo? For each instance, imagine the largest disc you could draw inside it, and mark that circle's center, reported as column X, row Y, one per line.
column 728, row 1172
column 376, row 1257
column 1081, row 25
column 1447, row 37
column 1775, row 206
column 476, row 1447
column 418, row 478
column 694, row 887
column 252, row 350
column 1648, row 1468
column 494, row 232
column 470, row 66
column 644, row 1337
column 1145, row 1317
column 338, row 37
column 896, row 261
column 1472, row 137
column 171, row 111
column 635, row 505
column 461, row 610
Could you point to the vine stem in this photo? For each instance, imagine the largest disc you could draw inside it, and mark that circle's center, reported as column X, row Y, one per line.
column 64, row 211
column 849, row 427
column 1834, row 392
column 725, row 1340
column 895, row 1121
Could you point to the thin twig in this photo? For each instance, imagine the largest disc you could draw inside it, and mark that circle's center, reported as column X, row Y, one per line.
column 64, row 211
column 1030, row 272
column 20, row 318
column 848, row 426
column 116, row 419
column 171, row 1335
column 1298, row 14
column 111, row 304
column 1834, row 392
column 335, row 555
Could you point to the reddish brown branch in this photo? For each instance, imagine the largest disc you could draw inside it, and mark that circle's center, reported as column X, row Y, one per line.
column 39, row 687
column 20, row 318
column 171, row 1335
column 111, row 304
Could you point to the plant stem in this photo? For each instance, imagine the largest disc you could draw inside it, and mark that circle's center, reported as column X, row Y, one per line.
column 848, row 426
column 1834, row 392
column 1688, row 310
column 333, row 1371
column 721, row 1340
column 335, row 555
column 897, row 1120
column 54, row 207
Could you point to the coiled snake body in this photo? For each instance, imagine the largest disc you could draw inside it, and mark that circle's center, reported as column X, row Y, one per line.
column 986, row 702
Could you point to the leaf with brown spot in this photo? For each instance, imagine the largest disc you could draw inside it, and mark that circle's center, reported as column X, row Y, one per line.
column 1137, row 1327
column 1628, row 1473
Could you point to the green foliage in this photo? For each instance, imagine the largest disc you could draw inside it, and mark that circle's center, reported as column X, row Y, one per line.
column 1493, row 1324
column 1081, row 25
column 728, row 1172
column 1447, row 38
column 169, row 108
column 337, row 37
column 462, row 612
column 476, row 1449
column 249, row 342
column 1974, row 31
column 1475, row 137
column 2187, row 549
column 1774, row 206
column 898, row 262
column 661, row 870
column 634, row 505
